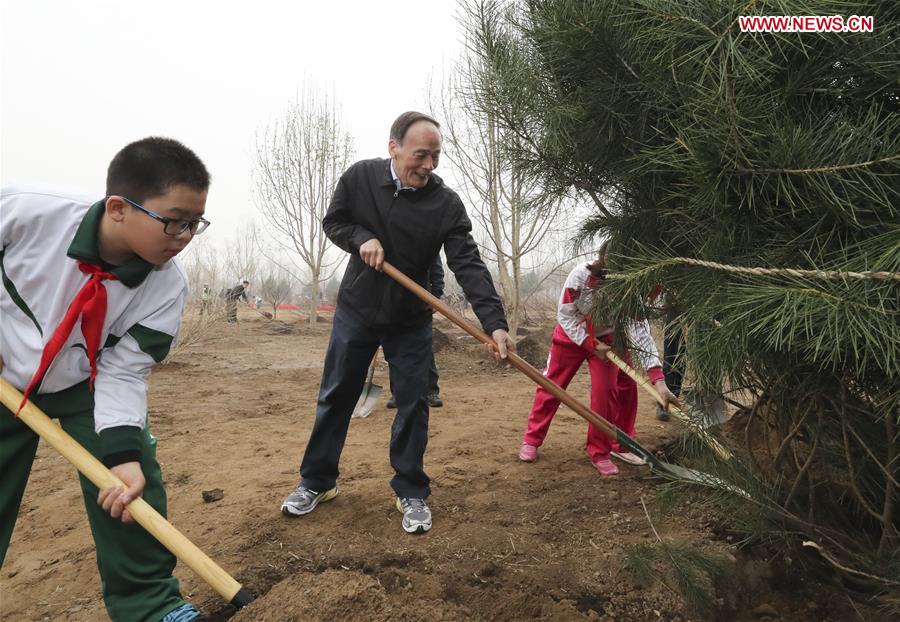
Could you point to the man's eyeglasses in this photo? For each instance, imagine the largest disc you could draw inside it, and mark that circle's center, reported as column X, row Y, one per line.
column 173, row 226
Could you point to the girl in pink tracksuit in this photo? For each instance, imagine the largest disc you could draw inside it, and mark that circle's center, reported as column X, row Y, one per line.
column 613, row 393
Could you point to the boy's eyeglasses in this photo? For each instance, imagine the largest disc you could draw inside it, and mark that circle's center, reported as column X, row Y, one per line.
column 173, row 226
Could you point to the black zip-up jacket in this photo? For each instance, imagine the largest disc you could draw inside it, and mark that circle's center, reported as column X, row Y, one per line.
column 411, row 226
column 436, row 277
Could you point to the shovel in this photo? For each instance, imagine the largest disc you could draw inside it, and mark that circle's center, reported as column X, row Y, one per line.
column 370, row 393
column 612, row 432
column 142, row 512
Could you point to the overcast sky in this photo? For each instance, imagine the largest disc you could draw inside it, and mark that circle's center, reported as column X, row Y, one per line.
column 79, row 80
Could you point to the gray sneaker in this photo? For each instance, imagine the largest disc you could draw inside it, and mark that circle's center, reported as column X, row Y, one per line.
column 303, row 500
column 416, row 515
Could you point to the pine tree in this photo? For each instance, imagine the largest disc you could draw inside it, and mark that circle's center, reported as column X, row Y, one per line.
column 748, row 151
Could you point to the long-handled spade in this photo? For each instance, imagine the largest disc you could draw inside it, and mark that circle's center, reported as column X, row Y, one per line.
column 611, row 431
column 140, row 510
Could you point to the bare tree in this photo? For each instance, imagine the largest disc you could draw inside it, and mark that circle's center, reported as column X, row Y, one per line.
column 515, row 213
column 298, row 161
column 275, row 285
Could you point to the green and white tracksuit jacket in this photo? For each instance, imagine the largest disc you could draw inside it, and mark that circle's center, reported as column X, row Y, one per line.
column 44, row 234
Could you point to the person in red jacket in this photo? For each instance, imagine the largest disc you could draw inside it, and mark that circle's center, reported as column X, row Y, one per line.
column 613, row 393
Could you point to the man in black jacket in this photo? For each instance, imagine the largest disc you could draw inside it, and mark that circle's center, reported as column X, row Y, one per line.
column 395, row 210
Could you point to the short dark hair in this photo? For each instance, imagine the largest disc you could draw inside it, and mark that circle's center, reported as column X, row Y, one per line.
column 405, row 120
column 147, row 168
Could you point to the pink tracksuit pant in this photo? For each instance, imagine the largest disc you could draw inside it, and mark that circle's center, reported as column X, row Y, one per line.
column 613, row 395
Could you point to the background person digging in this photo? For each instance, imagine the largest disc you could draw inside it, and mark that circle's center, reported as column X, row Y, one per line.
column 238, row 292
column 394, row 209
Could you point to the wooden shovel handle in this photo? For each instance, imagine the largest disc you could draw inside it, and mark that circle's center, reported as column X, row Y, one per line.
column 515, row 360
column 143, row 513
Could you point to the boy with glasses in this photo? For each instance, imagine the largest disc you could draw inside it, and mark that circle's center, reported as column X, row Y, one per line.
column 91, row 299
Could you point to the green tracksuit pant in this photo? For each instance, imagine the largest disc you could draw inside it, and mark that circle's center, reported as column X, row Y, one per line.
column 136, row 570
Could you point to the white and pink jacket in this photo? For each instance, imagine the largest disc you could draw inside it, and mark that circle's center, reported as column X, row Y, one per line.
column 572, row 315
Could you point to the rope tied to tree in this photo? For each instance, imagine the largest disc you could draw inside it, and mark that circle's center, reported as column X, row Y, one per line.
column 796, row 272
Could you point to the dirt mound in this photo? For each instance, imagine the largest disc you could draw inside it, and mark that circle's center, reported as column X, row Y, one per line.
column 535, row 346
column 385, row 594
column 277, row 327
column 299, row 326
column 439, row 340
column 454, row 340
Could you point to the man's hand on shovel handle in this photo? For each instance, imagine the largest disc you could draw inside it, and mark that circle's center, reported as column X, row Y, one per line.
column 502, row 345
column 372, row 253
column 114, row 499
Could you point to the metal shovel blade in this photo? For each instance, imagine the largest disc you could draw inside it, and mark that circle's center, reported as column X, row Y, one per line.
column 367, row 400
column 370, row 393
column 678, row 472
column 707, row 410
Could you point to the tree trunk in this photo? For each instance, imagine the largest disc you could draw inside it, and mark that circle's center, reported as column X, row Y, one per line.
column 513, row 311
column 314, row 299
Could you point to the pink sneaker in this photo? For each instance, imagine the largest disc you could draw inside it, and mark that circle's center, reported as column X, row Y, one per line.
column 605, row 466
column 527, row 453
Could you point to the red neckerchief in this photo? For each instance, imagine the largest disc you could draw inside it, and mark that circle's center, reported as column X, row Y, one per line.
column 90, row 304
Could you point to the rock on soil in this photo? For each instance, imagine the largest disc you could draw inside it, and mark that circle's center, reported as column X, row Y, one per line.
column 216, row 494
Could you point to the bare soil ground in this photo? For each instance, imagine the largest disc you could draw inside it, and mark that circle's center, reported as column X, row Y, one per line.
column 510, row 541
